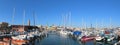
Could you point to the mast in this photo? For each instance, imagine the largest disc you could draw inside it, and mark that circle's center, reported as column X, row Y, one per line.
column 13, row 16
column 23, row 18
column 70, row 22
column 66, row 20
column 102, row 24
column 96, row 24
column 83, row 23
column 110, row 23
column 62, row 20
column 34, row 17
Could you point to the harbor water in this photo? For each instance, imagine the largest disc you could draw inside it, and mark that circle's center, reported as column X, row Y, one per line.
column 54, row 38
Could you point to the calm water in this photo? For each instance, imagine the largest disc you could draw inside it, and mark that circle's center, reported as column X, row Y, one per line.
column 57, row 39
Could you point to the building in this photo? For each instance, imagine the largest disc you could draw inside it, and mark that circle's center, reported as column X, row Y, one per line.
column 22, row 28
column 52, row 27
column 3, row 25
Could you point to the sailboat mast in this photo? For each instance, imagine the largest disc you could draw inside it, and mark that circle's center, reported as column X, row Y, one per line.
column 13, row 16
column 34, row 17
column 96, row 24
column 82, row 24
column 23, row 18
column 70, row 22
column 102, row 24
column 62, row 20
column 110, row 23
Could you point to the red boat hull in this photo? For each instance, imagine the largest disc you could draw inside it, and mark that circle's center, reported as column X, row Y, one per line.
column 85, row 39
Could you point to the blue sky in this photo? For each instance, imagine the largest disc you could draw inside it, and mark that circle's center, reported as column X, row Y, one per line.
column 51, row 11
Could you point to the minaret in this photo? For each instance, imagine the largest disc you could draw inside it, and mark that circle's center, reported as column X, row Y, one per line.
column 28, row 22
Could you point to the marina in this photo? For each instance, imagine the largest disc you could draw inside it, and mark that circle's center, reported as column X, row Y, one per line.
column 56, row 35
column 59, row 22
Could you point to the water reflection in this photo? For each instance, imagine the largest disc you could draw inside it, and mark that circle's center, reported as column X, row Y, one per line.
column 56, row 39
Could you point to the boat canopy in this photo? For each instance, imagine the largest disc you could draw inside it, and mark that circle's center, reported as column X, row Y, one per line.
column 77, row 33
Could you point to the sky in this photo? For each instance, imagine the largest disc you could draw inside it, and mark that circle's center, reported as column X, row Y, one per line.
column 95, row 12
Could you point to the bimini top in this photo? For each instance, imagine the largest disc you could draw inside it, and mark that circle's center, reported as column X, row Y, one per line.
column 77, row 33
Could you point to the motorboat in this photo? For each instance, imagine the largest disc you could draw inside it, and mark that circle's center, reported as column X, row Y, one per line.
column 77, row 33
column 69, row 32
column 63, row 32
column 99, row 38
column 19, row 38
column 108, row 36
column 117, row 43
column 79, row 37
column 86, row 38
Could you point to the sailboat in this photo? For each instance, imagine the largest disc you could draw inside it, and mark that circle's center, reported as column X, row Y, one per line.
column 20, row 38
column 87, row 35
column 99, row 37
column 63, row 30
column 109, row 34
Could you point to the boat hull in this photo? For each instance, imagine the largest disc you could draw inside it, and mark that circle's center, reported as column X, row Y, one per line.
column 85, row 39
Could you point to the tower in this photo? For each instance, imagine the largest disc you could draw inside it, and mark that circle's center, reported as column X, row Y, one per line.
column 28, row 22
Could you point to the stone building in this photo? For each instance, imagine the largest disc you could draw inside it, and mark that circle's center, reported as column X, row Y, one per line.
column 22, row 28
column 4, row 26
